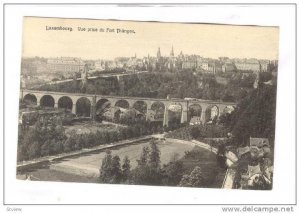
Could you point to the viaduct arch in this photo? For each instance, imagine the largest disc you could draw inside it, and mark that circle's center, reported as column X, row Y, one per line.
column 155, row 109
column 65, row 102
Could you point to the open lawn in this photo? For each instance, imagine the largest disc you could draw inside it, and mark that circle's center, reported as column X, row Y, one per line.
column 90, row 127
column 88, row 165
column 85, row 168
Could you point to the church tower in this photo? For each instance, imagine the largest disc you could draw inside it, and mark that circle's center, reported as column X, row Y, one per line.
column 171, row 61
column 158, row 53
column 172, row 52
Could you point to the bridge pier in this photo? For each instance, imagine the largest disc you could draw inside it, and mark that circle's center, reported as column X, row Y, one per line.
column 93, row 107
column 93, row 112
column 184, row 116
column 166, row 117
column 205, row 104
column 148, row 113
column 74, row 109
column 203, row 114
column 221, row 110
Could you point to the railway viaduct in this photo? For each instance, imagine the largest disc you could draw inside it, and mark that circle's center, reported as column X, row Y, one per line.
column 153, row 108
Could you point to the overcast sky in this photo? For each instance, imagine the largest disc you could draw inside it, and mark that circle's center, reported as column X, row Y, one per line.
column 202, row 39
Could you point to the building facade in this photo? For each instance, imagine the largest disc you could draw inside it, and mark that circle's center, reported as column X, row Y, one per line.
column 65, row 64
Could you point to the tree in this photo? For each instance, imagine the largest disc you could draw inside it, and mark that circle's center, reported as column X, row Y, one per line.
column 126, row 168
column 45, row 148
column 106, row 168
column 226, row 119
column 195, row 179
column 148, row 171
column 154, row 155
column 172, row 173
column 110, row 171
column 255, row 115
column 68, row 145
column 144, row 157
column 34, row 150
column 195, row 132
column 116, row 170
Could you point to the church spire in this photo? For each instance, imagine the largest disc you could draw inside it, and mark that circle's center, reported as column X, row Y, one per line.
column 158, row 53
column 172, row 52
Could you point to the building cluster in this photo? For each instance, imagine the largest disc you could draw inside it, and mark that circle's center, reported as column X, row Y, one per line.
column 59, row 65
column 257, row 171
column 249, row 167
column 69, row 65
column 65, row 64
column 185, row 62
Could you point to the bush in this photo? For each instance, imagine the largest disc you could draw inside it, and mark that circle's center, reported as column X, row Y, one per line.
column 198, row 132
column 68, row 145
column 195, row 179
column 34, row 150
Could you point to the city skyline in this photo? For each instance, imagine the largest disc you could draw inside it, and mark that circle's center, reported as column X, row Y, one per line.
column 220, row 40
column 145, row 56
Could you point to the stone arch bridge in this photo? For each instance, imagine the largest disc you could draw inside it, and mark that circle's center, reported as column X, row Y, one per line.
column 70, row 101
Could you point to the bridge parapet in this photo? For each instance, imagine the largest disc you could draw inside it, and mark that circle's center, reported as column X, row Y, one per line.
column 93, row 98
column 211, row 102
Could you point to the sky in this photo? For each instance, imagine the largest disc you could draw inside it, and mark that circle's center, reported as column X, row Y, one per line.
column 202, row 39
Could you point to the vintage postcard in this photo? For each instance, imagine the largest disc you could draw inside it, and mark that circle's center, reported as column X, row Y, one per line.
column 147, row 103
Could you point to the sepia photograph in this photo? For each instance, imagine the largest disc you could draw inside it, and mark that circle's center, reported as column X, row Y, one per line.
column 147, row 103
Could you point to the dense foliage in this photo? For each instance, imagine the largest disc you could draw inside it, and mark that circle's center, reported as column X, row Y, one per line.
column 48, row 138
column 45, row 138
column 254, row 116
column 199, row 132
column 178, row 84
column 149, row 171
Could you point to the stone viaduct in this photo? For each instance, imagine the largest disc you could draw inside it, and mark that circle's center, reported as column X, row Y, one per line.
column 59, row 100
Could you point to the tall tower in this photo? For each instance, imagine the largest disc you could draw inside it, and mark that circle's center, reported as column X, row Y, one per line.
column 158, row 53
column 181, row 56
column 172, row 52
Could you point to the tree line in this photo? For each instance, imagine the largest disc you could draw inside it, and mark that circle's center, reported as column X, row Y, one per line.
column 47, row 137
column 177, row 84
column 150, row 171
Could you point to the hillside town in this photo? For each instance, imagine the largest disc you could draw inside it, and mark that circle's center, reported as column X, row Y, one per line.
column 248, row 161
column 70, row 67
column 122, row 108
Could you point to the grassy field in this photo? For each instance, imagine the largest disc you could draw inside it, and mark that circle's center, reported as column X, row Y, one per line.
column 88, row 165
column 85, row 168
column 90, row 127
